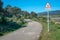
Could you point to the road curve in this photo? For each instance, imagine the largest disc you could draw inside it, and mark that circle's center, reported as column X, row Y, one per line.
column 31, row 32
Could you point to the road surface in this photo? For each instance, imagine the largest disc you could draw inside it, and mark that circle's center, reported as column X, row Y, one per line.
column 31, row 32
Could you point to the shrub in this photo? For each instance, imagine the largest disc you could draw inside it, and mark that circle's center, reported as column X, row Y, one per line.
column 1, row 34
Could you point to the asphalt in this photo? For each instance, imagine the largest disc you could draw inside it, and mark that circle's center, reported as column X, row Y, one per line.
column 31, row 32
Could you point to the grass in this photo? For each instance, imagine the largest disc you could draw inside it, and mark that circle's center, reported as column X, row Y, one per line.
column 53, row 34
column 43, row 35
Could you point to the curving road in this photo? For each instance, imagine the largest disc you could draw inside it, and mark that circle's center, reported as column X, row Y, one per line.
column 31, row 32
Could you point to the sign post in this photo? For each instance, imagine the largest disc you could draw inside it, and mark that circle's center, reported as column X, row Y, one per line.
column 48, row 18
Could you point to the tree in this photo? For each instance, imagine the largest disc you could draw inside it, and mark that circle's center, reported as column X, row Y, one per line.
column 16, row 11
column 25, row 14
column 4, row 20
column 8, row 11
column 1, row 5
column 33, row 14
column 1, row 8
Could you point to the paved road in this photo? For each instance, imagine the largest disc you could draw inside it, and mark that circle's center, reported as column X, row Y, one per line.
column 31, row 32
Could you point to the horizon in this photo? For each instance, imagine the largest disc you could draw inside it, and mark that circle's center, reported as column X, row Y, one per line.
column 32, row 5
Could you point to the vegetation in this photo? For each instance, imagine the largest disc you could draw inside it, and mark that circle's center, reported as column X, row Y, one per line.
column 12, row 18
column 42, row 20
column 9, row 26
column 53, row 34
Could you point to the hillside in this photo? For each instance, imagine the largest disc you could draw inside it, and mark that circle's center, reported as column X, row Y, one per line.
column 57, row 12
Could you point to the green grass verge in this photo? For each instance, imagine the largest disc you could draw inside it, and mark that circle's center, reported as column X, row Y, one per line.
column 43, row 35
column 53, row 34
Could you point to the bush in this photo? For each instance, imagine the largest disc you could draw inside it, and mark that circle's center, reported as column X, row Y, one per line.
column 1, row 34
column 3, row 20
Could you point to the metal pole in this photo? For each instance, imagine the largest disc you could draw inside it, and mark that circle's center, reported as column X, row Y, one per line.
column 48, row 20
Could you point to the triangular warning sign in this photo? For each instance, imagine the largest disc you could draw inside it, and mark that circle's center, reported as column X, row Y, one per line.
column 47, row 6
